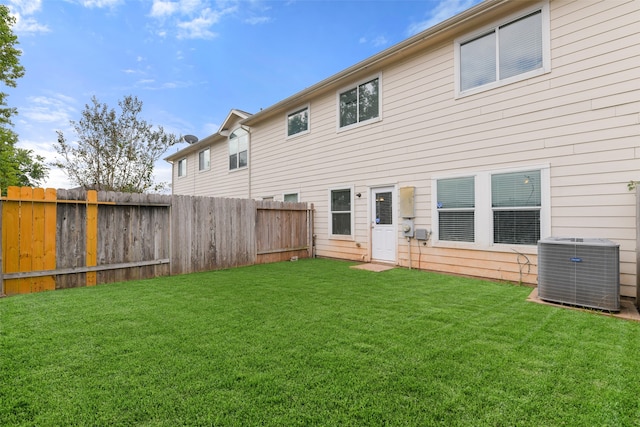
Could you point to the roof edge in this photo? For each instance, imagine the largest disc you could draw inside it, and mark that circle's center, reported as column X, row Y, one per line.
column 419, row 38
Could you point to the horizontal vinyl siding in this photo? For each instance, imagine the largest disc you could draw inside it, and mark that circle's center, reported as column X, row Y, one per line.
column 218, row 181
column 582, row 119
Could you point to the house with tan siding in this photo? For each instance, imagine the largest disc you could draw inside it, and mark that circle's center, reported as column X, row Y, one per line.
column 459, row 148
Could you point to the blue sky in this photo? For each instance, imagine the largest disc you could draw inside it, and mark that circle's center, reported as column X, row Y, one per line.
column 191, row 61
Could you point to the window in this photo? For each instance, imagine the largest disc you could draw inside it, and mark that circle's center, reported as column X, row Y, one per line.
column 456, row 205
column 516, row 200
column 360, row 104
column 493, row 208
column 298, row 122
column 341, row 214
column 238, row 146
column 290, row 197
column 182, row 167
column 204, row 160
column 513, row 51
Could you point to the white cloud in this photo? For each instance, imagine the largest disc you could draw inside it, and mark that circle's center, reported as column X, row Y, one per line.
column 26, row 7
column 21, row 9
column 200, row 27
column 164, row 8
column 380, row 41
column 38, row 122
column 100, row 4
column 442, row 11
column 49, row 109
column 258, row 20
column 376, row 42
column 29, row 26
column 193, row 19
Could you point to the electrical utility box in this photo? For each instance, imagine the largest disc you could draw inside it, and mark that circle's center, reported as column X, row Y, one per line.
column 407, row 227
column 421, row 234
column 407, row 202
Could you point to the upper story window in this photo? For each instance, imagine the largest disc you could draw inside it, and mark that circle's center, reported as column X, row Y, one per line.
column 291, row 197
column 514, row 50
column 182, row 167
column 360, row 103
column 298, row 122
column 238, row 146
column 204, row 159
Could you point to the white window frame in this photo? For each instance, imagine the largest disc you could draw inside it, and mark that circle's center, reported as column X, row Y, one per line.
column 483, row 220
column 238, row 167
column 439, row 209
column 356, row 85
column 184, row 168
column 207, row 162
column 296, row 111
column 288, row 193
column 351, row 188
column 546, row 50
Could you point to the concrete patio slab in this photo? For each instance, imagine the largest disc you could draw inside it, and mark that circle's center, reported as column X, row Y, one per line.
column 627, row 311
column 373, row 267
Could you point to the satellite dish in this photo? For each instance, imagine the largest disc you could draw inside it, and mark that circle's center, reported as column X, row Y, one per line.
column 191, row 139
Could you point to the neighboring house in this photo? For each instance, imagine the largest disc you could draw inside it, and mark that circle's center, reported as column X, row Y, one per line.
column 510, row 122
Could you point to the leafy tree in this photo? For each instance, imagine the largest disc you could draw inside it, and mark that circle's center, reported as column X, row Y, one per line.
column 18, row 166
column 114, row 151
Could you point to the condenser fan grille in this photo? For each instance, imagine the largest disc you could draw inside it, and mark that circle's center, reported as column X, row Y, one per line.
column 584, row 272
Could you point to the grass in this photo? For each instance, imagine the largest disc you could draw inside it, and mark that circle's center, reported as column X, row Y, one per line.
column 312, row 343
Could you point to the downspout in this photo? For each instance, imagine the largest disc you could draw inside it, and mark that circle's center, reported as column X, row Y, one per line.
column 249, row 160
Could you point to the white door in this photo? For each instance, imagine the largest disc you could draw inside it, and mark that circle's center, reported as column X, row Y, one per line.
column 383, row 227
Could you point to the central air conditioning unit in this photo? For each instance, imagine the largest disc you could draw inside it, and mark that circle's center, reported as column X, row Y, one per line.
column 579, row 271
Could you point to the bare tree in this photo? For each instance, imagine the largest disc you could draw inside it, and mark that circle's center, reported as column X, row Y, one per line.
column 114, row 151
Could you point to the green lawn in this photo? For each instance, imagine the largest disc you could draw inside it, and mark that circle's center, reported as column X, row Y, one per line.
column 312, row 342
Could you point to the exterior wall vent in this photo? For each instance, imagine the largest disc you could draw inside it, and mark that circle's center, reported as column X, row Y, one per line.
column 579, row 271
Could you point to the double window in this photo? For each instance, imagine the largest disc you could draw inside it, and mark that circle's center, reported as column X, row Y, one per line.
column 182, row 167
column 341, row 212
column 298, row 122
column 515, row 50
column 204, row 159
column 360, row 103
column 493, row 208
column 238, row 147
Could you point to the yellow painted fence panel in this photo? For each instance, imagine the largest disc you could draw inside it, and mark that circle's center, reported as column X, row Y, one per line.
column 28, row 238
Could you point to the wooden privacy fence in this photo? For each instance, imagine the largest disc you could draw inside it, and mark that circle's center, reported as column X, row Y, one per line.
column 70, row 238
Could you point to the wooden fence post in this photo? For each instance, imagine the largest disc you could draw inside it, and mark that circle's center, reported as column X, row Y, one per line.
column 92, row 235
column 37, row 240
column 50, row 236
